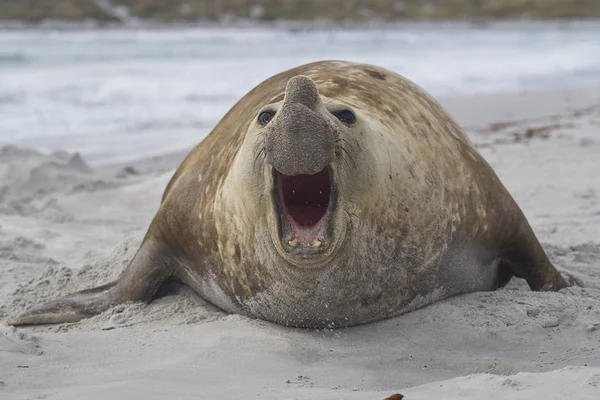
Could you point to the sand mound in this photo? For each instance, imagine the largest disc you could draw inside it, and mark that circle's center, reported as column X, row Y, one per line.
column 30, row 181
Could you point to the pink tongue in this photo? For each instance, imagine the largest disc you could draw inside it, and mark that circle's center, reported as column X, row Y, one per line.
column 304, row 234
column 305, row 199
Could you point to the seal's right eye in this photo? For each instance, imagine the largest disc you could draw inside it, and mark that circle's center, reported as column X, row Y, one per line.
column 264, row 117
column 346, row 116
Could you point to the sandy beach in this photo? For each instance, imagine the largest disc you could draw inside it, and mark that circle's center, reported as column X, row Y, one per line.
column 66, row 225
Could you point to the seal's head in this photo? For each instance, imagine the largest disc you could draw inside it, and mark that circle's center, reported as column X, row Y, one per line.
column 302, row 138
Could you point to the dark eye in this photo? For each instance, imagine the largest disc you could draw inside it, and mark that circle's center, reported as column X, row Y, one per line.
column 346, row 116
column 265, row 116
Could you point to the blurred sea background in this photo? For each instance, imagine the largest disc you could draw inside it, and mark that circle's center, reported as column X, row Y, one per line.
column 123, row 92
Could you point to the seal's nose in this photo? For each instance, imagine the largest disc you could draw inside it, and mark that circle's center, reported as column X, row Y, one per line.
column 300, row 140
column 302, row 90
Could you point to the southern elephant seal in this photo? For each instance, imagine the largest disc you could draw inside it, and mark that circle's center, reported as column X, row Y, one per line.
column 332, row 194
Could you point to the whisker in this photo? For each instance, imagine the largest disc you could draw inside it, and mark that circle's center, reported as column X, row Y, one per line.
column 262, row 152
column 342, row 148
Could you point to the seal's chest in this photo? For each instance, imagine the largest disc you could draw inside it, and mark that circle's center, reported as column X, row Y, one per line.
column 354, row 291
column 328, row 301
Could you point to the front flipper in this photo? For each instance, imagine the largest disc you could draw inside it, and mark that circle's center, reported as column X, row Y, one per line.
column 150, row 267
column 524, row 255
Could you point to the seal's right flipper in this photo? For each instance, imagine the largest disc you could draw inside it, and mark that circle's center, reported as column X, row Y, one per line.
column 71, row 308
column 139, row 282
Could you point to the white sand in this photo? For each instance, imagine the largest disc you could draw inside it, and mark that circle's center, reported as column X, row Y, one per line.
column 65, row 226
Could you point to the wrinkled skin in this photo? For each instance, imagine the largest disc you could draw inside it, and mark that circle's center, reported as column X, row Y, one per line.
column 414, row 213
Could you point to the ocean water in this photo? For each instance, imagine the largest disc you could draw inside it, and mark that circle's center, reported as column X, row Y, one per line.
column 115, row 95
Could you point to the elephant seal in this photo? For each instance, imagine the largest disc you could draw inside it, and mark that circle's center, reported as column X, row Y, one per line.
column 332, row 194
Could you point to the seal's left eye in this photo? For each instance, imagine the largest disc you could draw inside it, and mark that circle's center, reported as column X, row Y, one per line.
column 346, row 116
column 265, row 117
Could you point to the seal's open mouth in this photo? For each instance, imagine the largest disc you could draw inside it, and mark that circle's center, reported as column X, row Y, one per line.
column 304, row 202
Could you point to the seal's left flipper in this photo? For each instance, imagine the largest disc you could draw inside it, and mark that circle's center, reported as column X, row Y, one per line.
column 150, row 267
column 524, row 255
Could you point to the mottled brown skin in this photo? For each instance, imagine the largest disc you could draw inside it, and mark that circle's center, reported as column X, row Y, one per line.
column 419, row 215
